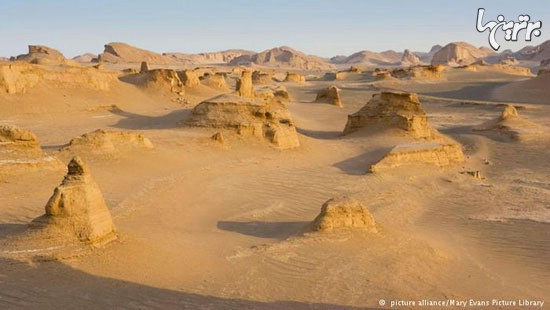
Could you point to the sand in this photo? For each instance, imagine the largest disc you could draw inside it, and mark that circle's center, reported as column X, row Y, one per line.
column 223, row 222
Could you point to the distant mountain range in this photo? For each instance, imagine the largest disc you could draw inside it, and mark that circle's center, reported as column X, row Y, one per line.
column 454, row 54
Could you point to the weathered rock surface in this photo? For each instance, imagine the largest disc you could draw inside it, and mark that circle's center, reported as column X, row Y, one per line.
column 409, row 59
column 330, row 95
column 283, row 57
column 431, row 153
column 189, row 78
column 271, row 93
column 344, row 213
column 244, row 86
column 369, row 58
column 16, row 78
column 144, row 67
column 216, row 81
column 85, row 58
column 222, row 57
column 116, row 52
column 260, row 77
column 295, row 77
column 218, row 137
column 268, row 120
column 392, row 110
column 481, row 65
column 43, row 55
column 157, row 80
column 10, row 134
column 19, row 148
column 418, row 72
column 77, row 209
column 108, row 142
column 459, row 54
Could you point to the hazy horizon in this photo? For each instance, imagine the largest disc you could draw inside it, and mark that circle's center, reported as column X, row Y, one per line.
column 324, row 28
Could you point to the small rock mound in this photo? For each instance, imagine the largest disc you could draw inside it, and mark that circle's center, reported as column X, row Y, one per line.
column 77, row 209
column 281, row 93
column 432, row 153
column 10, row 134
column 85, row 58
column 544, row 67
column 144, row 67
column 269, row 120
column 43, row 55
column 409, row 59
column 509, row 61
column 189, row 78
column 164, row 79
column 20, row 77
column 512, row 125
column 509, row 111
column 116, row 52
column 330, row 95
column 272, row 92
column 216, row 81
column 344, row 213
column 330, row 76
column 244, row 86
column 159, row 80
column 418, row 72
column 106, row 142
column 218, row 137
column 20, row 148
column 380, row 74
column 481, row 65
column 392, row 110
column 295, row 78
column 259, row 77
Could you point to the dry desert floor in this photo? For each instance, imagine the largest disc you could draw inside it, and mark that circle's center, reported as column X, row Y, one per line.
column 202, row 224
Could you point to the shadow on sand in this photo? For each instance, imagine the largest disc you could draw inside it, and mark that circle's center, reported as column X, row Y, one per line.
column 320, row 135
column 482, row 92
column 8, row 229
column 137, row 121
column 51, row 285
column 360, row 164
column 260, row 229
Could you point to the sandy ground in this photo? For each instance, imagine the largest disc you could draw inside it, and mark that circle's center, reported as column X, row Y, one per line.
column 204, row 226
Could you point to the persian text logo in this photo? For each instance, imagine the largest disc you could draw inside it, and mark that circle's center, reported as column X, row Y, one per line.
column 511, row 28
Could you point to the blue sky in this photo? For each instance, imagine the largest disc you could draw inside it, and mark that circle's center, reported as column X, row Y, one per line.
column 321, row 27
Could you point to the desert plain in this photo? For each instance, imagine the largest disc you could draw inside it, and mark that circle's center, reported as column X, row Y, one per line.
column 274, row 180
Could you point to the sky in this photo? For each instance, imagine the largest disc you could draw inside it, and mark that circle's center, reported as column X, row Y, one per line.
column 321, row 27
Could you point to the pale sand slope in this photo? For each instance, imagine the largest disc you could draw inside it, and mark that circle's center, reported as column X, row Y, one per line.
column 218, row 226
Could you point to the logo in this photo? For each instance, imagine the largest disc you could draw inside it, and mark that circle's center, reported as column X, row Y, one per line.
column 511, row 28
